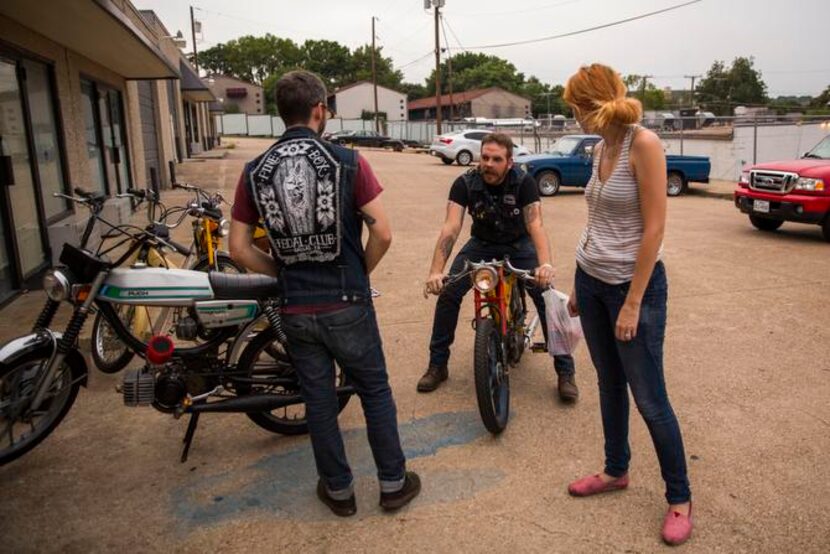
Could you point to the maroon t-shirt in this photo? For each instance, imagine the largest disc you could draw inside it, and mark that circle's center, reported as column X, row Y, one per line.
column 366, row 188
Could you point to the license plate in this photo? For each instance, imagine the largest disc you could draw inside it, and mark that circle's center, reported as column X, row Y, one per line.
column 760, row 206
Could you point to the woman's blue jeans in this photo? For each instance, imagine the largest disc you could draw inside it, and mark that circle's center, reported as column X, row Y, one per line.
column 637, row 364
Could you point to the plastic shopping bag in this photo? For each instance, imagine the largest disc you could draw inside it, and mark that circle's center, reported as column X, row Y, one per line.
column 564, row 331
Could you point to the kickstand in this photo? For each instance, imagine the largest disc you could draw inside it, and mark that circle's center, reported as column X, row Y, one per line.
column 188, row 436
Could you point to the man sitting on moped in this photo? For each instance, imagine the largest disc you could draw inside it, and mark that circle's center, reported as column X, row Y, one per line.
column 507, row 222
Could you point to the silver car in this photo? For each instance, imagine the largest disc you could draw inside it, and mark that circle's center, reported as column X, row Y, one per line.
column 464, row 147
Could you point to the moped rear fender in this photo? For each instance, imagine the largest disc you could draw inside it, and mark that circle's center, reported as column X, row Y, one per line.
column 40, row 345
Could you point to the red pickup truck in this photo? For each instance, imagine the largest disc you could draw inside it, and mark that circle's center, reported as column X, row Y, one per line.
column 799, row 190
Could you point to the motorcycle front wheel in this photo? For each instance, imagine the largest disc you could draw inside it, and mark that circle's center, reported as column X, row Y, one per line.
column 265, row 357
column 21, row 429
column 491, row 378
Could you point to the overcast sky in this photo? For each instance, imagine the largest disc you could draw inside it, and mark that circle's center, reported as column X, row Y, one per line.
column 788, row 39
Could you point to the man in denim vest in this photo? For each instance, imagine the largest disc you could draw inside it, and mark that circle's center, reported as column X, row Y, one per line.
column 313, row 198
column 507, row 221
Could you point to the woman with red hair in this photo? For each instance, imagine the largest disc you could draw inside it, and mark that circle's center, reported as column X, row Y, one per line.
column 620, row 288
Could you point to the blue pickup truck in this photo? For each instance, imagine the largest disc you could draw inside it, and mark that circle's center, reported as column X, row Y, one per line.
column 569, row 163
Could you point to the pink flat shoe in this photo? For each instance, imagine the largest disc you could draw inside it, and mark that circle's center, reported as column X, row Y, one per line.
column 677, row 528
column 593, row 484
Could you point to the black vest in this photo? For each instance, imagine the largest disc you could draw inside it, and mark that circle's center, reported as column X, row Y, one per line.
column 303, row 188
column 496, row 218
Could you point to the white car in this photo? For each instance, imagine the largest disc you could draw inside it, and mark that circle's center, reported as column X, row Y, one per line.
column 464, row 147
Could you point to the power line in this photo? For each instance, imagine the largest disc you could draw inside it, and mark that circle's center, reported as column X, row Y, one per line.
column 588, row 30
column 452, row 32
column 425, row 56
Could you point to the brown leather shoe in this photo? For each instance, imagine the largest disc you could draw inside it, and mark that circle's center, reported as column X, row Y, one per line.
column 391, row 501
column 568, row 391
column 342, row 508
column 434, row 376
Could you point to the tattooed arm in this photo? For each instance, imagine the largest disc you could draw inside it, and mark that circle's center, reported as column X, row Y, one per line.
column 443, row 248
column 533, row 223
column 380, row 233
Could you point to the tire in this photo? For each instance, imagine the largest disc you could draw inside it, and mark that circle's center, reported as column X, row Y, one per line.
column 56, row 407
column 109, row 353
column 493, row 397
column 549, row 183
column 225, row 263
column 676, row 184
column 265, row 342
column 765, row 224
column 825, row 228
column 464, row 158
column 447, row 161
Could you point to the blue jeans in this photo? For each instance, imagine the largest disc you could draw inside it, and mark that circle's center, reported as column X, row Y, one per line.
column 349, row 336
column 639, row 364
column 523, row 256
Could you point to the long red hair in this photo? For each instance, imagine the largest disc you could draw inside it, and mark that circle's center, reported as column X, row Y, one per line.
column 597, row 94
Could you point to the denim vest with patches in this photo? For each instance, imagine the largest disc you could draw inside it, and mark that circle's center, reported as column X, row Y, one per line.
column 303, row 188
column 496, row 218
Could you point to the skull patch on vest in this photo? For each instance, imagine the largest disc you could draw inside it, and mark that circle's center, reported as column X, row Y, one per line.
column 296, row 189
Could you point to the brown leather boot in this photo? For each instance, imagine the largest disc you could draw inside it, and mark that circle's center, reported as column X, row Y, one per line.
column 568, row 391
column 434, row 376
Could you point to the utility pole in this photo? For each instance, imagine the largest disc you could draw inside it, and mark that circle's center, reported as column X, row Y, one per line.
column 449, row 70
column 437, row 4
column 193, row 35
column 375, row 77
column 692, row 94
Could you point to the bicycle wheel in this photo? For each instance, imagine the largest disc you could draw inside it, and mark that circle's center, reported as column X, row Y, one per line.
column 491, row 378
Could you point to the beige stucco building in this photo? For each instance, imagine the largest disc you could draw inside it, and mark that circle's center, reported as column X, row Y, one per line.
column 236, row 95
column 352, row 101
column 91, row 96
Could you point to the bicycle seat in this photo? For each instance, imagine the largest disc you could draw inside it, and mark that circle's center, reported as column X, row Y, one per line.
column 228, row 286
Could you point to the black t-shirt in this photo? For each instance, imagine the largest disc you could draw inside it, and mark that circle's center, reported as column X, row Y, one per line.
column 526, row 193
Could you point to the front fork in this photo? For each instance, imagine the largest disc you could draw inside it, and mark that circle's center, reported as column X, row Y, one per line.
column 67, row 342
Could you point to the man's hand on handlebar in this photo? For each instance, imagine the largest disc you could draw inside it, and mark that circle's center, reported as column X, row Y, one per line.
column 434, row 284
column 544, row 275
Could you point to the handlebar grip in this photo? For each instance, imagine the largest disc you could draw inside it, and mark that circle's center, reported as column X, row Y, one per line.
column 213, row 213
column 180, row 248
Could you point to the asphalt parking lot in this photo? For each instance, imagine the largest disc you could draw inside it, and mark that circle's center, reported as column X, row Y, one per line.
column 747, row 369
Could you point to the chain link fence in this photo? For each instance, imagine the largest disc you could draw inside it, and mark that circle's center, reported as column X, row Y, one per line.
column 729, row 142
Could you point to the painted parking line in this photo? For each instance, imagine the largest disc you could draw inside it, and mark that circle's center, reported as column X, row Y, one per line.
column 282, row 484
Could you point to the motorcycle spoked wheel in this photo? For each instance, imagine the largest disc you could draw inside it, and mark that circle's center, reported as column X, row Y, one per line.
column 16, row 390
column 491, row 378
column 265, row 356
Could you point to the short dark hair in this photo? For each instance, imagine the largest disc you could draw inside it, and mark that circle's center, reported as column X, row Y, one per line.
column 297, row 93
column 501, row 139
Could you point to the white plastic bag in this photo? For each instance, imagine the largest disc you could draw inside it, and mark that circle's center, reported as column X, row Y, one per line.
column 564, row 331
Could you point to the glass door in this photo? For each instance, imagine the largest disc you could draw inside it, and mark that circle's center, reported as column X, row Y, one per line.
column 22, row 250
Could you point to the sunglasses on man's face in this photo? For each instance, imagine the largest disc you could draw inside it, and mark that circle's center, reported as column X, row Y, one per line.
column 329, row 113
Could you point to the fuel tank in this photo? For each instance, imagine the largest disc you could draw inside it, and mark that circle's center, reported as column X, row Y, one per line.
column 155, row 286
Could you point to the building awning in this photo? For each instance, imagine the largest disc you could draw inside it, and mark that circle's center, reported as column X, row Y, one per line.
column 193, row 89
column 98, row 30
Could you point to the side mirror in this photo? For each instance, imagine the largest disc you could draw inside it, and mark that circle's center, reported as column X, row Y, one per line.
column 588, row 151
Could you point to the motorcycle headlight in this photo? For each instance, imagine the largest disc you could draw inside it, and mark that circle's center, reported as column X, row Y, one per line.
column 485, row 279
column 809, row 184
column 224, row 227
column 57, row 285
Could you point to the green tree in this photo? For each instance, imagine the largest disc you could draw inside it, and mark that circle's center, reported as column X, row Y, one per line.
column 329, row 59
column 476, row 70
column 724, row 88
column 822, row 100
column 652, row 98
column 414, row 91
column 361, row 68
column 543, row 96
column 252, row 58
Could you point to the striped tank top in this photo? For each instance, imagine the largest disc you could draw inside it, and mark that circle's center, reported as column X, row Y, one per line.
column 611, row 240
